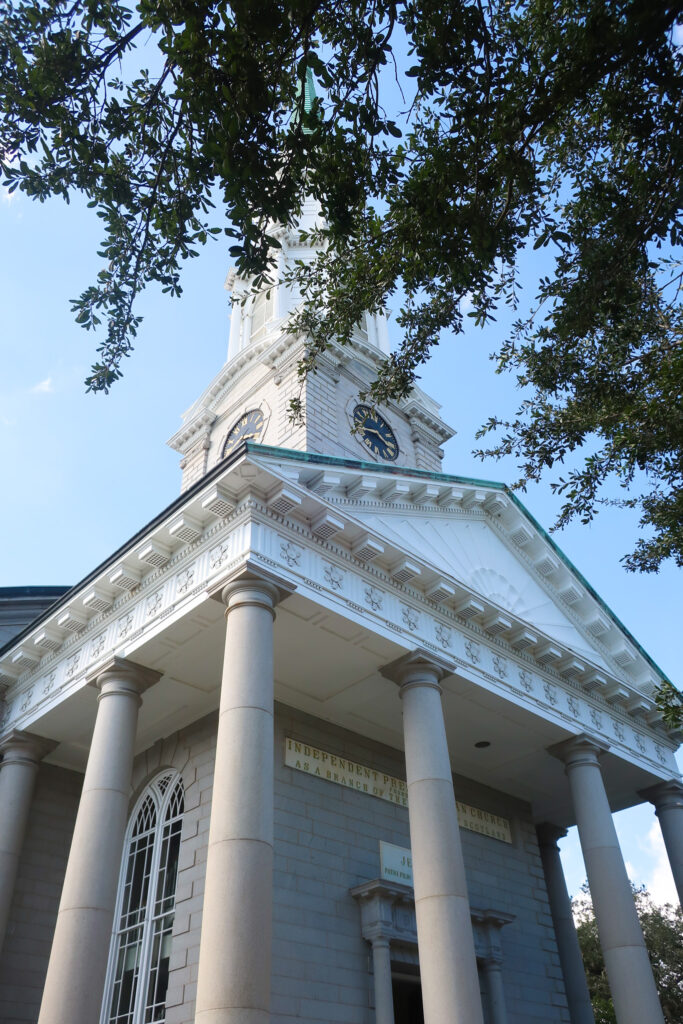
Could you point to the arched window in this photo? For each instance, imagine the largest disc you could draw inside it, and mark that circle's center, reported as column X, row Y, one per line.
column 137, row 976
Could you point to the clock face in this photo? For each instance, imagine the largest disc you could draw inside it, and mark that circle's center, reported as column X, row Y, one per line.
column 375, row 433
column 247, row 428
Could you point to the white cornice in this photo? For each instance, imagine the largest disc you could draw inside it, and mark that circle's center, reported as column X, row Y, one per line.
column 198, row 426
column 303, row 503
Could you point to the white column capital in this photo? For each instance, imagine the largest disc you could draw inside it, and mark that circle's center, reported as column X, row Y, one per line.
column 548, row 834
column 666, row 796
column 24, row 748
column 579, row 750
column 251, row 585
column 418, row 668
column 123, row 677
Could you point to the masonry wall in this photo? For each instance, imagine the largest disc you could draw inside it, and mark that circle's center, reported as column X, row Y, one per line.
column 26, row 950
column 329, row 397
column 326, row 841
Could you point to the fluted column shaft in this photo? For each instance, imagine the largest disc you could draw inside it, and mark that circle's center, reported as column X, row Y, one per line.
column 80, row 947
column 235, row 950
column 384, row 994
column 571, row 961
column 629, row 974
column 448, row 966
column 667, row 798
column 22, row 753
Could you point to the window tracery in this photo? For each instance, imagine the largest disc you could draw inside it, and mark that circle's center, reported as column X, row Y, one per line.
column 137, row 976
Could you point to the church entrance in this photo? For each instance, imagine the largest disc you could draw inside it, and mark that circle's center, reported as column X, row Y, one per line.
column 407, row 1000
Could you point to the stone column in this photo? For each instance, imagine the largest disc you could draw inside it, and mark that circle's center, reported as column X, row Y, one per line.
column 384, row 993
column 233, row 986
column 631, row 983
column 448, row 966
column 493, row 973
column 80, row 947
column 22, row 753
column 571, row 961
column 668, row 800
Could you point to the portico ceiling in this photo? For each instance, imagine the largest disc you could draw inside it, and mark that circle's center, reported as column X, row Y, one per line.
column 328, row 666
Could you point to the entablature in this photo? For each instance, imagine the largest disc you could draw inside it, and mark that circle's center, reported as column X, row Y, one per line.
column 290, row 514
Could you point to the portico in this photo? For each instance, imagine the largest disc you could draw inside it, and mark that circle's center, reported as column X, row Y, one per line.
column 343, row 635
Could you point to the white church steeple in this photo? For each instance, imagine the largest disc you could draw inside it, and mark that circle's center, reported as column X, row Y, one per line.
column 249, row 399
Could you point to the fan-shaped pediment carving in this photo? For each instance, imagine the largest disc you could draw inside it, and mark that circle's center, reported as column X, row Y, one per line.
column 471, row 552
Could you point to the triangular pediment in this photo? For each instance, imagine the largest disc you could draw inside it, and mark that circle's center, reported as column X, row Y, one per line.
column 471, row 553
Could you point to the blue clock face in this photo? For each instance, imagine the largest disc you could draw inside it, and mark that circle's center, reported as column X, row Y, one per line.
column 247, row 428
column 375, row 433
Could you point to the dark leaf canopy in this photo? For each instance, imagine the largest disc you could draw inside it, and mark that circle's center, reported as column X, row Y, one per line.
column 663, row 933
column 549, row 123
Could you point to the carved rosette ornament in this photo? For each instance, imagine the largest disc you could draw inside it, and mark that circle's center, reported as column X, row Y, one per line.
column 290, row 553
column 443, row 634
column 525, row 680
column 373, row 597
column 500, row 666
column 218, row 555
column 473, row 651
column 334, row 576
column 185, row 580
column 550, row 693
column 410, row 618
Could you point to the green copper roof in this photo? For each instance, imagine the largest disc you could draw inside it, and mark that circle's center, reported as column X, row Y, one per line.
column 449, row 478
column 286, row 454
column 309, row 95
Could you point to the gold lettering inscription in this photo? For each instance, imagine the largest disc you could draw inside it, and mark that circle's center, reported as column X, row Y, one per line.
column 385, row 787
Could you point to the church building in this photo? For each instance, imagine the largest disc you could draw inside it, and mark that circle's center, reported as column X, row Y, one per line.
column 302, row 748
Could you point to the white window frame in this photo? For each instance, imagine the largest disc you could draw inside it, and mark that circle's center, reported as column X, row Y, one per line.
column 161, row 801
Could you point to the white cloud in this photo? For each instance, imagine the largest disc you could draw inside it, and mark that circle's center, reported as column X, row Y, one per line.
column 660, row 881
column 44, row 387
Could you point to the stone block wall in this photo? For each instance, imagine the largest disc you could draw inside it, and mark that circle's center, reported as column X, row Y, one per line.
column 26, row 950
column 326, row 841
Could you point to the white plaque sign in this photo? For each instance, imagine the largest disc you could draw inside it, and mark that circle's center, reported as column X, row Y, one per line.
column 395, row 863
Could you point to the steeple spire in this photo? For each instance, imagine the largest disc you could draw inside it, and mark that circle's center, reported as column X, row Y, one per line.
column 309, row 96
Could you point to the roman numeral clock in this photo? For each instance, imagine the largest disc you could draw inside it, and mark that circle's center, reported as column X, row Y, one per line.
column 374, row 432
column 248, row 427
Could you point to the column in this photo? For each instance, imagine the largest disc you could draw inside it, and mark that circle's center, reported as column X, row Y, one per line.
column 448, row 966
column 493, row 972
column 80, row 947
column 22, row 753
column 668, row 800
column 384, row 994
column 571, row 962
column 233, row 986
column 631, row 983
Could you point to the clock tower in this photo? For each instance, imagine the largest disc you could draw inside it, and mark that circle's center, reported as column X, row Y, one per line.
column 249, row 398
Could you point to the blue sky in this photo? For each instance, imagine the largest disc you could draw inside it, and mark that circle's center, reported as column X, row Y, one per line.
column 82, row 473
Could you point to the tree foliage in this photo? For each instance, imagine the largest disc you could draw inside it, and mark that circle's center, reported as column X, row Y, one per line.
column 663, row 932
column 552, row 123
